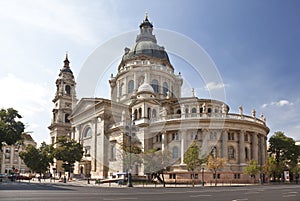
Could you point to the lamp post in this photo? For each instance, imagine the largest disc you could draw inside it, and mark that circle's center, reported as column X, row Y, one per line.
column 130, row 130
column 202, row 176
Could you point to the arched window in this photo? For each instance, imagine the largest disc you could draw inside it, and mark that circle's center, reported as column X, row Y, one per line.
column 175, row 153
column 165, row 88
column 209, row 110
column 135, row 114
column 186, row 110
column 246, row 153
column 231, row 152
column 87, row 132
column 67, row 118
column 68, row 89
column 130, row 86
column 121, row 89
column 155, row 85
column 194, row 110
column 201, row 110
column 178, row 111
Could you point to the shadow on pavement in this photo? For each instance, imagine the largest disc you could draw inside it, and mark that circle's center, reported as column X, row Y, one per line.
column 32, row 186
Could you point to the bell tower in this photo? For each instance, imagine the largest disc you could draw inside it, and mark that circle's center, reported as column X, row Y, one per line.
column 64, row 101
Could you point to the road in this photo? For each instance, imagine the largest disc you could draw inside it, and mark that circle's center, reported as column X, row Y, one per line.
column 64, row 192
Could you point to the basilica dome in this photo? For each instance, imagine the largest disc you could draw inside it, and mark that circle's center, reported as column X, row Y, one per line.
column 146, row 45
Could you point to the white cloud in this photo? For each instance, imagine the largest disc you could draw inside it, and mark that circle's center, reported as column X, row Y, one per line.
column 55, row 17
column 279, row 103
column 27, row 97
column 214, row 86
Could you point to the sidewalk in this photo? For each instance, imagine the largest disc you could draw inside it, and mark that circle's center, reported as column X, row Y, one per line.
column 92, row 183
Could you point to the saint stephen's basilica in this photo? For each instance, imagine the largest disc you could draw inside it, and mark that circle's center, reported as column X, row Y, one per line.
column 146, row 106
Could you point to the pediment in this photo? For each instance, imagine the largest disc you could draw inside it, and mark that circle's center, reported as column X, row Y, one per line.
column 83, row 105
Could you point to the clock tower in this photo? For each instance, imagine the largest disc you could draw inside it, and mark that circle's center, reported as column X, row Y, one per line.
column 64, row 101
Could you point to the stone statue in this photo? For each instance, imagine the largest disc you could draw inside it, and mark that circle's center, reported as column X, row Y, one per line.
column 253, row 113
column 241, row 110
column 204, row 107
column 224, row 108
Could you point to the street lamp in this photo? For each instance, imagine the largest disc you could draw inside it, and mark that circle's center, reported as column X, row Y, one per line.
column 202, row 176
column 130, row 130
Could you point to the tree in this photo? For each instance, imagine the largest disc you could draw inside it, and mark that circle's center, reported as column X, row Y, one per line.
column 68, row 151
column 192, row 160
column 38, row 160
column 285, row 151
column 215, row 164
column 156, row 162
column 270, row 167
column 252, row 169
column 10, row 128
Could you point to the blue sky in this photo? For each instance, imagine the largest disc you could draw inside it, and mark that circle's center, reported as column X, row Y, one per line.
column 254, row 44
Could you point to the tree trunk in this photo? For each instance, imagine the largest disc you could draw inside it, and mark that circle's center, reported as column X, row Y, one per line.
column 193, row 181
column 163, row 177
column 215, row 178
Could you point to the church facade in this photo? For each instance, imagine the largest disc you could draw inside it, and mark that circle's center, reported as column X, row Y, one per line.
column 146, row 106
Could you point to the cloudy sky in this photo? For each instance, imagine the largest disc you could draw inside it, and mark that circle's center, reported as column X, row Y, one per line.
column 255, row 46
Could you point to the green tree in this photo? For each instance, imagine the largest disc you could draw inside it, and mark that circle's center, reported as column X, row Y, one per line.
column 39, row 159
column 192, row 160
column 215, row 164
column 270, row 167
column 252, row 169
column 285, row 151
column 10, row 128
column 68, row 151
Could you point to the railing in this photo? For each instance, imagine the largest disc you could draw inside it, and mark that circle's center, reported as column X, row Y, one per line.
column 212, row 116
column 208, row 116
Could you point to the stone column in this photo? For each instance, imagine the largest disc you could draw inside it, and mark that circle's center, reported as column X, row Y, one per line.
column 254, row 146
column 118, row 90
column 224, row 143
column 205, row 143
column 242, row 146
column 198, row 111
column 182, row 111
column 163, row 140
column 135, row 86
column 183, row 143
column 264, row 149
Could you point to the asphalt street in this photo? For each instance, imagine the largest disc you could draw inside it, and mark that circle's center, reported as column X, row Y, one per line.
column 10, row 191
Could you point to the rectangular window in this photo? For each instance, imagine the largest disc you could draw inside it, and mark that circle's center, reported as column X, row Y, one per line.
column 175, row 136
column 218, row 176
column 246, row 137
column 237, row 176
column 113, row 151
column 231, row 136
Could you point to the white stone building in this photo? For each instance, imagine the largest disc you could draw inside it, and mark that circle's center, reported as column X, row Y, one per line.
column 147, row 90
